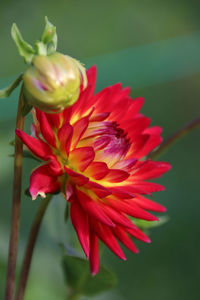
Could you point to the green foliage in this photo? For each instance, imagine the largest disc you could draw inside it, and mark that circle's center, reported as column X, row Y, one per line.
column 79, row 280
column 146, row 225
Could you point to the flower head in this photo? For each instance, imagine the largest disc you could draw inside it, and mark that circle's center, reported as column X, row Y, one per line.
column 95, row 154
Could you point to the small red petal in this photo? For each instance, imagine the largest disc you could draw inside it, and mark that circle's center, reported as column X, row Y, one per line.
column 94, row 253
column 92, row 208
column 154, row 130
column 152, row 143
column 107, row 237
column 115, row 175
column 137, row 145
column 131, row 209
column 37, row 147
column 45, row 128
column 41, row 182
column 101, row 143
column 99, row 117
column 76, row 178
column 79, row 129
column 123, row 237
column 151, row 169
column 139, row 235
column 147, row 187
column 80, row 222
column 98, row 189
column 148, row 204
column 65, row 136
column 54, row 119
column 126, row 165
column 97, row 170
column 136, row 126
column 117, row 217
column 80, row 158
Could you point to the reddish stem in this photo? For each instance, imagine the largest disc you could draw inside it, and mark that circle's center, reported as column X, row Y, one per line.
column 15, row 218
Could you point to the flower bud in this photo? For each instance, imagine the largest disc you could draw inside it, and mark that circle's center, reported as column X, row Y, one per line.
column 53, row 82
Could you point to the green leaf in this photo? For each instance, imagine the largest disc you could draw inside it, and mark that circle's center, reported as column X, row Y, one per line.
column 145, row 225
column 80, row 281
column 4, row 93
column 25, row 49
column 49, row 36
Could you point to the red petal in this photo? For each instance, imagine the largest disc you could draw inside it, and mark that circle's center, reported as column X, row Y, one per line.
column 101, row 143
column 137, row 145
column 107, row 237
column 124, row 239
column 41, row 182
column 116, row 217
column 99, row 117
column 80, row 222
column 134, row 108
column 148, row 204
column 138, row 234
column 37, row 147
column 65, row 137
column 136, row 126
column 131, row 209
column 151, row 169
column 148, row 187
column 126, row 165
column 80, row 158
column 94, row 253
column 93, row 209
column 115, row 175
column 54, row 119
column 45, row 128
column 77, row 178
column 154, row 130
column 79, row 129
column 54, row 167
column 121, row 192
column 97, row 170
column 152, row 143
column 98, row 189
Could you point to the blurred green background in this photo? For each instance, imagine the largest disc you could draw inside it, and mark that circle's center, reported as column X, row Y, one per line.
column 154, row 47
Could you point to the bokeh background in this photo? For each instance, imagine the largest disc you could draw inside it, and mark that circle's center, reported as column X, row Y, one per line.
column 154, row 47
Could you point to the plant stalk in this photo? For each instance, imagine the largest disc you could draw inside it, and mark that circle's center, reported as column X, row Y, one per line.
column 26, row 264
column 174, row 137
column 15, row 218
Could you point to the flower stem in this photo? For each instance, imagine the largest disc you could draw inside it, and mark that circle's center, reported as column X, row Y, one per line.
column 15, row 218
column 175, row 136
column 30, row 247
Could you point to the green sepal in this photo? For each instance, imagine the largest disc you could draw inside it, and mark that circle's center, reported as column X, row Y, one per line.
column 4, row 93
column 41, row 48
column 49, row 37
column 79, row 280
column 24, row 49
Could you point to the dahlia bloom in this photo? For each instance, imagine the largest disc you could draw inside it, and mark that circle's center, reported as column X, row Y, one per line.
column 94, row 152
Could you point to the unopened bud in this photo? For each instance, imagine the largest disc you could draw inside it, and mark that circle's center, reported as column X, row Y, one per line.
column 53, row 82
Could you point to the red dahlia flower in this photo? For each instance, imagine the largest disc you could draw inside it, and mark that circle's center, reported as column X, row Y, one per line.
column 95, row 154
